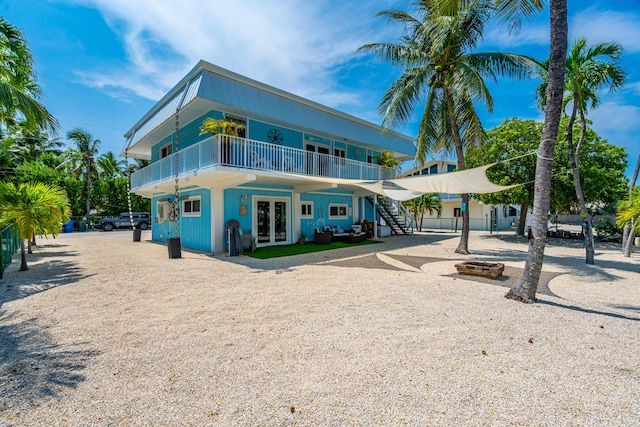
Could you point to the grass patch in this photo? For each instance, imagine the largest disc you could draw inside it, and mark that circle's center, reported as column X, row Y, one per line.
column 295, row 249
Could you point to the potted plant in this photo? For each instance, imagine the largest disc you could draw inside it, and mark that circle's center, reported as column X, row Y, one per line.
column 224, row 127
column 302, row 238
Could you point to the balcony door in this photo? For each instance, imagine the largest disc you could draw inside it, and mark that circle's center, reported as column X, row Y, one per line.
column 271, row 220
column 317, row 164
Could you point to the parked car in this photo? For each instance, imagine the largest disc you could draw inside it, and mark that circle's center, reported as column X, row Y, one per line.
column 141, row 220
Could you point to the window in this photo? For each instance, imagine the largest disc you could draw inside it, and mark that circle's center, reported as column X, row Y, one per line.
column 433, row 169
column 369, row 158
column 306, row 210
column 166, row 150
column 457, row 212
column 340, row 153
column 338, row 211
column 191, row 206
column 451, row 168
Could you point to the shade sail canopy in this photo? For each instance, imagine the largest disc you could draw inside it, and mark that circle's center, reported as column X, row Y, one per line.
column 467, row 181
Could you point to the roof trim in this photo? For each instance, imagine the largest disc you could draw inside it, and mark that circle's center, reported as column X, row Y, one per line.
column 206, row 66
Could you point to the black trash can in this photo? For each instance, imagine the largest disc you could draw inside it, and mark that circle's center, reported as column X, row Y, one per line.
column 137, row 234
column 173, row 244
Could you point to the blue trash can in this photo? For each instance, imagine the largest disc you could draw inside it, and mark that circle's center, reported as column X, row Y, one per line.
column 68, row 227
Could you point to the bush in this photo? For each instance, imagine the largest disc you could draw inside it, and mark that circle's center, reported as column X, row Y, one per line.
column 606, row 227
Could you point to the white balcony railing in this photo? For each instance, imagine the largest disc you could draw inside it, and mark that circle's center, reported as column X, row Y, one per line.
column 225, row 150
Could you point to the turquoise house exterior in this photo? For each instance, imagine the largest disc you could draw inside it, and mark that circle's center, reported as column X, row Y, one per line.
column 292, row 168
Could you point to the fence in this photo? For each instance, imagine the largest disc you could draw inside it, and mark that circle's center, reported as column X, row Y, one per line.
column 477, row 224
column 9, row 242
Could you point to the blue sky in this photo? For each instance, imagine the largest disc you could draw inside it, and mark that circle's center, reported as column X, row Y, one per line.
column 104, row 63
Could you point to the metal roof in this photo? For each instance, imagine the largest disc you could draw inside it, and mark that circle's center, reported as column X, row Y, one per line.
column 208, row 87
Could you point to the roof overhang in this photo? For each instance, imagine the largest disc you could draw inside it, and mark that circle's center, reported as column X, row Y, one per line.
column 208, row 87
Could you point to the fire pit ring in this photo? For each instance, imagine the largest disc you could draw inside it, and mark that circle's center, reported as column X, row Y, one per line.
column 490, row 270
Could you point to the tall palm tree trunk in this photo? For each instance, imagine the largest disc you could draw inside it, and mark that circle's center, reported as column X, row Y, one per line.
column 522, row 220
column 573, row 158
column 88, row 191
column 527, row 287
column 23, row 256
column 463, row 245
column 629, row 233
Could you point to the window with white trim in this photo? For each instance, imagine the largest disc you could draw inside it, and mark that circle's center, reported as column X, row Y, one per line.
column 166, row 150
column 306, row 210
column 191, row 206
column 338, row 211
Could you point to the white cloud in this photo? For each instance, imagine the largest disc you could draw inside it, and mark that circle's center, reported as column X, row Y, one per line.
column 529, row 34
column 606, row 26
column 291, row 44
column 616, row 122
column 633, row 87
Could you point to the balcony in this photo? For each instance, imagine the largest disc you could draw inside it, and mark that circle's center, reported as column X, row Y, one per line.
column 233, row 152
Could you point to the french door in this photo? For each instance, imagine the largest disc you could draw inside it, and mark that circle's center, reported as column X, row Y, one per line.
column 271, row 220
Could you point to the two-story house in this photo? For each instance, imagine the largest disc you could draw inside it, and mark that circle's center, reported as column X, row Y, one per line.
column 291, row 169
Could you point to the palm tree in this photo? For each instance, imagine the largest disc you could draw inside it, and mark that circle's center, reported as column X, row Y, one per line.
column 429, row 202
column 438, row 63
column 32, row 141
column 19, row 92
column 525, row 290
column 587, row 70
column 88, row 149
column 33, row 208
column 109, row 166
column 629, row 211
column 629, row 233
column 513, row 11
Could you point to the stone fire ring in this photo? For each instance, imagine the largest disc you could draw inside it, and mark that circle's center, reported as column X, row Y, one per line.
column 490, row 270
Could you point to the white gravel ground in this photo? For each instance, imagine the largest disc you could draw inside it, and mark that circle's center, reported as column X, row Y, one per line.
column 104, row 331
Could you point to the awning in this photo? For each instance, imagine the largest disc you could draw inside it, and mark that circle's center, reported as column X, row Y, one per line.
column 468, row 181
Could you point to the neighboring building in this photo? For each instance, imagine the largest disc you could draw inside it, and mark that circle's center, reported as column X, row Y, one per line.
column 481, row 216
column 290, row 170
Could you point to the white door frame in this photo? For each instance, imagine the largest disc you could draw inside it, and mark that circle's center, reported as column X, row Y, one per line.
column 254, row 218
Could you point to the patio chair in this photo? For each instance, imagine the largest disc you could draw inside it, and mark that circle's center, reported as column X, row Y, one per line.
column 321, row 237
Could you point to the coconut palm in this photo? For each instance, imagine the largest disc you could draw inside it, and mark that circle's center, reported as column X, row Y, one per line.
column 438, row 62
column 87, row 148
column 32, row 141
column 19, row 92
column 588, row 69
column 629, row 233
column 629, row 211
column 429, row 202
column 33, row 208
column 514, row 11
column 109, row 166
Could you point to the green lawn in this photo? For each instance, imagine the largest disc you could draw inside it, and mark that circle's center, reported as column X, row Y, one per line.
column 278, row 251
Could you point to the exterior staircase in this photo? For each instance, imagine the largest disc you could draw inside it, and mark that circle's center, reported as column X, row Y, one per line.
column 394, row 214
